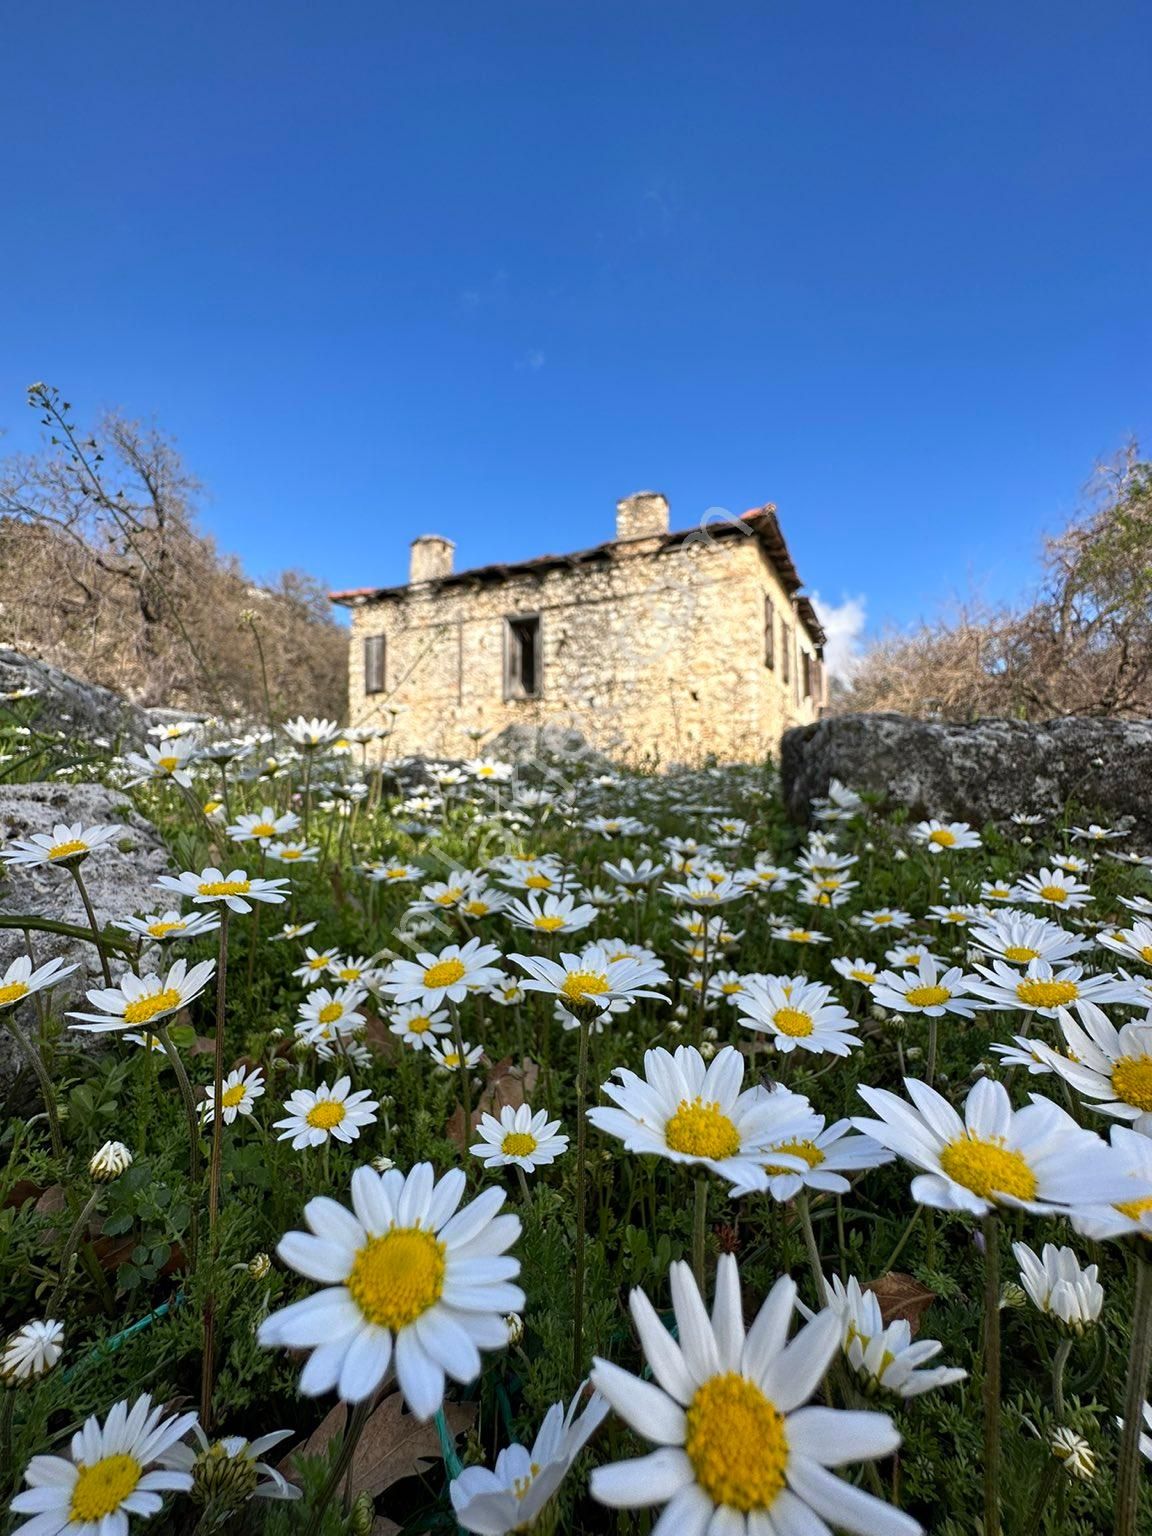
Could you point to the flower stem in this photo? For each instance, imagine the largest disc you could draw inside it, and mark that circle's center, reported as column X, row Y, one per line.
column 92, row 923
column 1135, row 1387
column 35, row 1061
column 354, row 1429
column 1047, row 1481
column 194, row 1141
column 699, row 1229
column 933, row 1040
column 813, row 1247
column 581, row 1235
column 69, row 1249
column 208, row 1358
column 991, row 1374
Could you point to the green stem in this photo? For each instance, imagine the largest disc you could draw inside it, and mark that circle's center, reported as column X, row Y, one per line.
column 92, row 923
column 208, row 1358
column 699, row 1229
column 903, row 1239
column 68, row 931
column 812, row 1246
column 463, row 1069
column 581, row 1234
column 70, row 1244
column 193, row 1138
column 1047, row 1482
column 355, row 1428
column 991, row 1374
column 933, row 1034
column 1135, row 1389
column 35, row 1061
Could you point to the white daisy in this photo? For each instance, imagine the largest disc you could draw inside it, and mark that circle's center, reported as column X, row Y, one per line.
column 800, row 935
column 1059, row 1287
column 236, row 890
column 1045, row 990
column 927, row 990
column 691, row 1113
column 263, row 827
column 315, row 1115
column 1134, row 943
column 447, row 1056
column 881, row 919
column 241, row 1090
column 883, row 1357
column 20, row 980
column 292, row 931
column 797, row 1016
column 145, row 999
column 945, row 836
column 167, row 927
column 627, row 873
column 338, row 1010
column 418, row 1026
column 293, row 853
column 315, row 964
column 1112, row 1066
column 594, row 976
column 171, row 760
column 32, row 1351
column 410, row 1281
column 1052, row 888
column 107, row 1477
column 447, row 977
column 737, row 1453
column 551, row 914
column 64, row 845
column 1129, row 1213
column 519, row 1139
column 1019, row 938
column 1037, row 1157
column 861, row 970
column 311, row 735
column 235, row 1462
column 829, row 1152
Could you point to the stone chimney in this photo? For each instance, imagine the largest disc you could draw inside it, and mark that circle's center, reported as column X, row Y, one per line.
column 643, row 516
column 431, row 558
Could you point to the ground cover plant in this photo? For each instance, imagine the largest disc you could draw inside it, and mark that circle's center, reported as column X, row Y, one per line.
column 454, row 1148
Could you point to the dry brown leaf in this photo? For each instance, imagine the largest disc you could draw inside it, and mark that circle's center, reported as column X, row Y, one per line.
column 382, row 1526
column 507, row 1085
column 378, row 1034
column 901, row 1296
column 51, row 1201
column 21, row 1192
column 393, row 1445
column 202, row 1046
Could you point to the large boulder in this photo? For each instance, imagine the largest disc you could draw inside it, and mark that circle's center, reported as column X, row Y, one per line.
column 120, row 879
column 976, row 772
column 64, row 703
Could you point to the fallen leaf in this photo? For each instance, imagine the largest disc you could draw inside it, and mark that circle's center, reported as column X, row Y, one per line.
column 507, row 1085
column 378, row 1034
column 52, row 1200
column 382, row 1526
column 393, row 1445
column 901, row 1296
column 21, row 1192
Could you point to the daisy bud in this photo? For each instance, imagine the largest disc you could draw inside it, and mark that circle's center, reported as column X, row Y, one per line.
column 515, row 1325
column 1074, row 1451
column 583, row 1009
column 382, row 1164
column 1012, row 1296
column 363, row 1515
column 31, row 1352
column 110, row 1162
column 223, row 1480
column 259, row 1266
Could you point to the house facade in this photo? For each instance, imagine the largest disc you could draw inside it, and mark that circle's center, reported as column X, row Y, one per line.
column 658, row 646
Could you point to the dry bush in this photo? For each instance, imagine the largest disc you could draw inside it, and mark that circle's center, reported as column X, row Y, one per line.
column 1082, row 646
column 105, row 573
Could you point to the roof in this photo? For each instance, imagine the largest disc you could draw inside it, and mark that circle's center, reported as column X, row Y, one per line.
column 762, row 521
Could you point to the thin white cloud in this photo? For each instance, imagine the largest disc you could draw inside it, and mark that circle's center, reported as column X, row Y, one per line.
column 844, row 624
column 533, row 361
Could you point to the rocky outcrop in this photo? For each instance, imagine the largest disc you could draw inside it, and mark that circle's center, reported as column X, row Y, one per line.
column 76, row 708
column 976, row 772
column 120, row 880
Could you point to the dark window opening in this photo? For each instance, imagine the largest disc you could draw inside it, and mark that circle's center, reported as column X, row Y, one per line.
column 522, row 661
column 786, row 653
column 769, row 634
column 373, row 663
column 806, row 672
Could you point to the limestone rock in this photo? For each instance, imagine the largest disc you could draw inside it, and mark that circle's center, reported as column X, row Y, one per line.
column 74, row 707
column 980, row 771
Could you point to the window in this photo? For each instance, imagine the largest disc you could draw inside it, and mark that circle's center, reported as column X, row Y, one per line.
column 769, row 633
column 806, row 673
column 522, row 657
column 373, row 663
column 785, row 653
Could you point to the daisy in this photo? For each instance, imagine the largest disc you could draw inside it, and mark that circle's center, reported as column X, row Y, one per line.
column 907, row 957
column 627, row 873
column 109, row 1161
column 800, row 936
column 825, row 893
column 551, row 914
column 311, row 735
column 418, row 1026
column 338, row 1010
column 926, row 990
column 765, row 877
column 1134, row 942
column 996, row 890
column 519, row 1139
column 241, row 1090
column 235, row 1463
column 64, row 845
column 1123, row 1216
column 264, row 827
column 293, row 853
column 1078, row 1457
column 1112, row 1066
column 945, row 836
column 884, row 1358
column 32, row 1351
column 512, row 1496
column 106, row 1479
column 1052, row 888
column 355, row 970
column 1036, row 1158
column 1058, row 1286
column 292, row 931
column 1094, row 833
column 171, row 760
column 883, row 918
column 726, row 986
column 702, row 892
column 316, row 963
column 453, row 1060
column 237, row 890
column 1019, row 938
column 20, row 980
column 864, row 971
column 798, row 1015
column 145, row 999
column 1140, row 904
column 1022, row 1053
column 828, row 1152
column 488, row 769
column 1044, row 990
column 166, row 927
column 449, row 976
column 594, row 976
column 957, row 916
column 315, row 1116
column 410, row 1281
column 691, row 1113
column 534, row 876
column 737, row 1453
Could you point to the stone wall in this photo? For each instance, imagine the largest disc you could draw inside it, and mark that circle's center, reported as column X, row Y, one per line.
column 652, row 655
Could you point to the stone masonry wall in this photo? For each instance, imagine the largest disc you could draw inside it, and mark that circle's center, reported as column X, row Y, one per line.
column 654, row 657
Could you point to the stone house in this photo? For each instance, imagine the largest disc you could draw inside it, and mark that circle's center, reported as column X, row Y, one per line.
column 658, row 646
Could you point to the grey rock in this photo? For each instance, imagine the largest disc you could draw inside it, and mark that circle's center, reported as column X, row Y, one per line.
column 77, row 708
column 976, row 772
column 548, row 745
column 120, row 879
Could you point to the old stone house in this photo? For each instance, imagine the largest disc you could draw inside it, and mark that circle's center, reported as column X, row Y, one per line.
column 658, row 646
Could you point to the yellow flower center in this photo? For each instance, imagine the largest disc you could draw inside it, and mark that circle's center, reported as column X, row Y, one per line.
column 880, row 919
column 988, row 1167
column 420, row 1025
column 539, row 882
column 1020, row 954
column 1046, row 994
column 67, row 850
column 580, row 984
column 103, row 1486
column 927, row 997
column 1146, row 954
column 864, row 975
column 702, row 1130
column 12, row 993
column 224, row 887
column 397, row 872
column 521, row 1485
column 1134, row 1209
column 263, row 829
column 450, row 897
column 445, row 973
column 145, row 1008
column 233, row 1096
column 326, row 1114
column 168, row 763
column 397, row 1277
column 476, row 908
column 1132, row 1081
column 1055, row 893
column 287, row 854
column 793, row 1021
column 800, row 935
column 808, row 1150
column 730, row 988
column 736, row 1443
column 942, row 837
column 549, row 924
column 159, row 930
column 518, row 1144
column 330, row 1013
column 349, row 973
column 319, row 962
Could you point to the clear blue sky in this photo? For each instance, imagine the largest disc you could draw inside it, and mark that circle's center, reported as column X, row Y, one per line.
column 481, row 269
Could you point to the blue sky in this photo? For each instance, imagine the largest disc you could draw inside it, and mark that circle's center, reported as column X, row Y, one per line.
column 482, row 269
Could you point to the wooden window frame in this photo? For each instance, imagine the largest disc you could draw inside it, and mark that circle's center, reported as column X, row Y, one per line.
column 769, row 633
column 514, row 688
column 372, row 644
